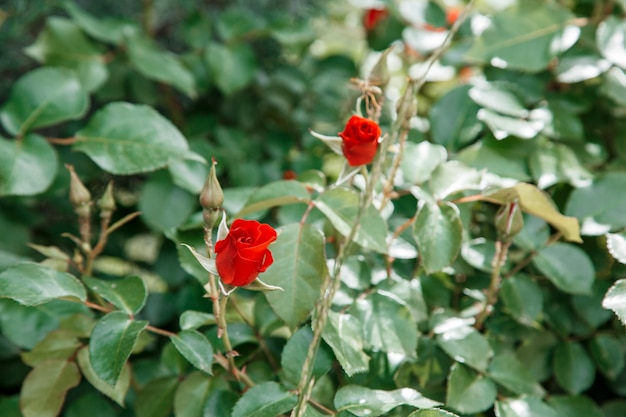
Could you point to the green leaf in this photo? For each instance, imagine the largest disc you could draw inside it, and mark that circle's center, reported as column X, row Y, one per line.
column 468, row 391
column 495, row 161
column 159, row 65
column 524, row 407
column 111, row 344
column 299, row 269
column 466, row 345
column 343, row 334
column 573, row 369
column 340, row 206
column 196, row 348
column 420, row 160
column 188, row 174
column 535, row 202
column 32, row 284
column 616, row 245
column 62, row 43
column 575, row 406
column 58, row 344
column 615, row 299
column 387, row 323
column 608, row 354
column 453, row 120
column 267, row 399
column 567, row 266
column 91, row 404
column 554, row 163
column 536, row 354
column 165, row 206
column 438, row 232
column 157, row 397
column 362, row 401
column 500, row 99
column 507, row 370
column 275, row 194
column 614, row 85
column 452, row 177
column 116, row 392
column 597, row 219
column 577, row 68
column 232, row 66
column 294, row 355
column 432, row 413
column 27, row 166
column 100, row 28
column 525, row 37
column 191, row 395
column 191, row 320
column 611, row 40
column 523, row 298
column 44, row 389
column 43, row 97
column 504, row 126
column 128, row 294
column 124, row 139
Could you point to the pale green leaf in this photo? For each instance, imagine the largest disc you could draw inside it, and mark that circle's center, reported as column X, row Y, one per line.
column 524, row 407
column 615, row 299
column 128, row 294
column 267, row 399
column 44, row 389
column 343, row 335
column 468, row 391
column 195, row 347
column 466, row 345
column 115, row 392
column 27, row 166
column 420, row 160
column 611, row 40
column 58, row 344
column 567, row 266
column 363, row 402
column 438, row 232
column 616, row 245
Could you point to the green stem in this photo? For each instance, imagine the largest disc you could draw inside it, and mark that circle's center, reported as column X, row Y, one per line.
column 502, row 250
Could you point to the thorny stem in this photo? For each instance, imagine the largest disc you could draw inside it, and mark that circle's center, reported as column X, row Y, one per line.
column 332, row 281
column 502, row 250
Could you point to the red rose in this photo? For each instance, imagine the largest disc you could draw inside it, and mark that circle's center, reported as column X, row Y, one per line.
column 372, row 17
column 243, row 254
column 360, row 140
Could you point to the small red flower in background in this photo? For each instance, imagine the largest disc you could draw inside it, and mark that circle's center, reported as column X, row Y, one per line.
column 452, row 14
column 243, row 254
column 372, row 17
column 360, row 140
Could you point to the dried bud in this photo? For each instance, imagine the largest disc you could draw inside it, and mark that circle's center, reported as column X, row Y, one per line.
column 211, row 198
column 107, row 202
column 79, row 195
column 509, row 221
column 380, row 73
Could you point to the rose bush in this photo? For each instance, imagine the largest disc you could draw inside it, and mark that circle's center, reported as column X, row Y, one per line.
column 360, row 140
column 244, row 253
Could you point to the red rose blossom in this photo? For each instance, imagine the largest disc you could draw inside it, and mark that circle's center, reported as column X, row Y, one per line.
column 360, row 140
column 372, row 17
column 243, row 254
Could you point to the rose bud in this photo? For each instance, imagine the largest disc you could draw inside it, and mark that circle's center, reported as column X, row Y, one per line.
column 243, row 254
column 360, row 140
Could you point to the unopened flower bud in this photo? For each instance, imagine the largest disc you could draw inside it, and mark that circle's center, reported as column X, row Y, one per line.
column 211, row 198
column 380, row 73
column 509, row 221
column 79, row 195
column 107, row 202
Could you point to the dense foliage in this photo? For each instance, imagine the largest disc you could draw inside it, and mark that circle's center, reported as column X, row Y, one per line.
column 467, row 262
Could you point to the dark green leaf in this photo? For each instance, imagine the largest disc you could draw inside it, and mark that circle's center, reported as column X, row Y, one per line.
column 387, row 323
column 62, row 43
column 523, row 298
column 453, row 120
column 157, row 397
column 575, row 406
column 191, row 395
column 91, row 404
column 466, row 345
column 299, row 269
column 343, row 335
column 165, row 206
column 573, row 369
column 195, row 347
column 567, row 266
column 468, row 391
column 32, row 284
column 362, row 401
column 191, row 320
column 275, row 194
column 340, row 206
column 117, row 392
column 267, row 399
column 112, row 342
column 524, row 407
column 525, row 37
column 507, row 370
column 233, row 66
column 128, row 294
column 294, row 355
column 124, row 138
column 608, row 354
column 43, row 97
column 159, row 65
column 438, row 232
column 432, row 413
column 27, row 166
column 44, row 389
column 101, row 28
